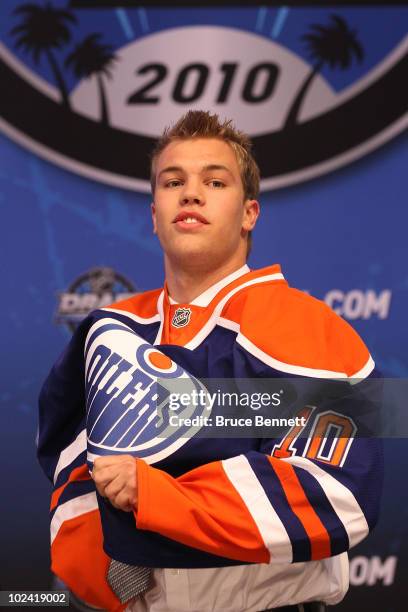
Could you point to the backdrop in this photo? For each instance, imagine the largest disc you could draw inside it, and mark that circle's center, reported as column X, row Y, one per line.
column 84, row 93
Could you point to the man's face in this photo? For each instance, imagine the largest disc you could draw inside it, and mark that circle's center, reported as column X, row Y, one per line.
column 199, row 212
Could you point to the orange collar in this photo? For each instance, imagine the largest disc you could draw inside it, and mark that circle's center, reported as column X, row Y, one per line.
column 188, row 324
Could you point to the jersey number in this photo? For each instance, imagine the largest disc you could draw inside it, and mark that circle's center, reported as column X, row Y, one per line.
column 333, row 450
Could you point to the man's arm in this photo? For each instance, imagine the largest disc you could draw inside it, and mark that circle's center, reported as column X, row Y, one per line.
column 77, row 554
column 254, row 507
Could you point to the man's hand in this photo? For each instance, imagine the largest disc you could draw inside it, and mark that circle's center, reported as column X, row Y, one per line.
column 115, row 479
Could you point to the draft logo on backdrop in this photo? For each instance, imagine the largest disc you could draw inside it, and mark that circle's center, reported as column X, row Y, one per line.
column 94, row 289
column 315, row 87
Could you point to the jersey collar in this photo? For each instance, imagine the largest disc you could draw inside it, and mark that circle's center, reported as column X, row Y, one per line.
column 208, row 306
column 209, row 294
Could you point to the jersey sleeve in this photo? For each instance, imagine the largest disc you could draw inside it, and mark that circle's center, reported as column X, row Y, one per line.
column 77, row 555
column 263, row 509
column 291, row 500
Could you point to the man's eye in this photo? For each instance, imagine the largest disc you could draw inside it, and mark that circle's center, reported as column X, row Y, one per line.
column 217, row 184
column 173, row 183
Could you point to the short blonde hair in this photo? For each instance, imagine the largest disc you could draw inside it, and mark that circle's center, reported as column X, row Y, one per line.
column 203, row 124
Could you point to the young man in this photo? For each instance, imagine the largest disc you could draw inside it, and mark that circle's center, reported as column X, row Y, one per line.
column 237, row 524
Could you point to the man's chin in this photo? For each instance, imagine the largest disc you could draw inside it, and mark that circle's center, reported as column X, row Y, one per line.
column 196, row 258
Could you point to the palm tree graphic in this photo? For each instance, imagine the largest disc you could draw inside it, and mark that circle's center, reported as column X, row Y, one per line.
column 42, row 29
column 334, row 44
column 91, row 57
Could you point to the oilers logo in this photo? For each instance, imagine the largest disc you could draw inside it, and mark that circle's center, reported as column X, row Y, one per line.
column 128, row 383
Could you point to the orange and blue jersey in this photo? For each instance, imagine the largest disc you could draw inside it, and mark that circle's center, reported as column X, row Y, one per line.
column 205, row 502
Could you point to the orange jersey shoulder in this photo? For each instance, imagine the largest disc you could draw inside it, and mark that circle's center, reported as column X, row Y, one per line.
column 143, row 305
column 294, row 328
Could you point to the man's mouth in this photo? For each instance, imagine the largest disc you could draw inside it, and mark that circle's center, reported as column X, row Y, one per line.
column 190, row 218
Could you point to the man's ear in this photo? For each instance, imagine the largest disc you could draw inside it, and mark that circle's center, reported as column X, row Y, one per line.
column 250, row 215
column 153, row 209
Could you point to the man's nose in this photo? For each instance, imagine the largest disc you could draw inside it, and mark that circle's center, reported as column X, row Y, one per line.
column 192, row 194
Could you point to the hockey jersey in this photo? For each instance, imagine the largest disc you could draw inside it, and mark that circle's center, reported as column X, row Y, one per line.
column 205, row 503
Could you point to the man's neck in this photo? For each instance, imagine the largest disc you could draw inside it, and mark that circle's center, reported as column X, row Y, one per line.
column 185, row 285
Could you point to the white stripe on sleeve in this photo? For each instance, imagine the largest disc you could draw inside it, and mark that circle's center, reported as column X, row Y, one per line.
column 364, row 372
column 70, row 453
column 71, row 509
column 271, row 528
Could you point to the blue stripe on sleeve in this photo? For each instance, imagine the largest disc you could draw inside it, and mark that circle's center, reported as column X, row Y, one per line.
column 276, row 495
column 314, row 492
column 72, row 490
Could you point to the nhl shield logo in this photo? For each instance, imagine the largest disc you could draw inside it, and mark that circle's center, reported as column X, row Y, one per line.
column 181, row 317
